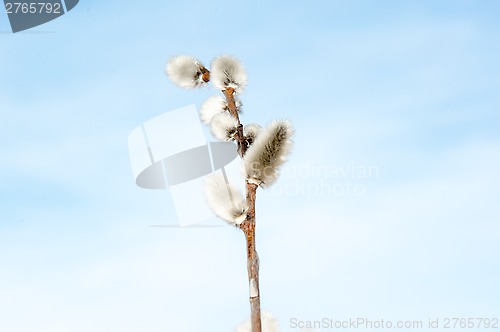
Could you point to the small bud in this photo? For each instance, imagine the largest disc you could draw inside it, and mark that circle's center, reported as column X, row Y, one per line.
column 251, row 132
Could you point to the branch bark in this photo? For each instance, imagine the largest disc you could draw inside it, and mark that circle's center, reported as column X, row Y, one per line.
column 248, row 226
column 231, row 103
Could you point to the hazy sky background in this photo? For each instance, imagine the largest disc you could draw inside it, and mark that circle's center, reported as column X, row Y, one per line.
column 406, row 89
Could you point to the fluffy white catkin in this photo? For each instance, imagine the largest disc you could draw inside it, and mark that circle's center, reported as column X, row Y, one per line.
column 213, row 106
column 224, row 126
column 227, row 71
column 225, row 200
column 185, row 71
column 269, row 324
column 268, row 152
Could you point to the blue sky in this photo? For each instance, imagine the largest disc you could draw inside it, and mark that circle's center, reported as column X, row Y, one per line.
column 409, row 88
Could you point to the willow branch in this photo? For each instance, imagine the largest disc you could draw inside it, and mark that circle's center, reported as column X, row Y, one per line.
column 248, row 226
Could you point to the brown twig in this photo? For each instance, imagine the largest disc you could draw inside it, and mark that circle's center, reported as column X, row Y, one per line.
column 231, row 104
column 248, row 226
